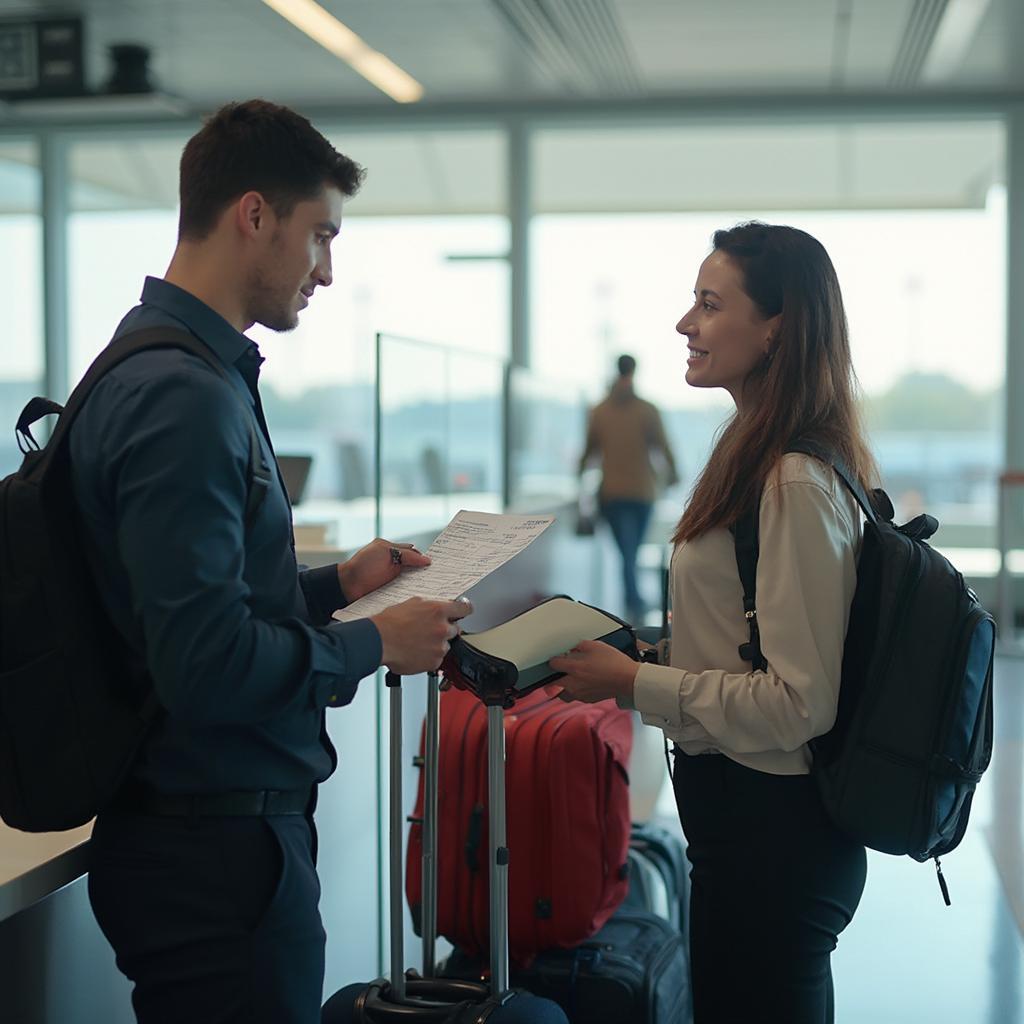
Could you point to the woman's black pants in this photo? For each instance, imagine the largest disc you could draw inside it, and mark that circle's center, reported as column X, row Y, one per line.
column 774, row 883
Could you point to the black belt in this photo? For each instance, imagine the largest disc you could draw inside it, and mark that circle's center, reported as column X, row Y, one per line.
column 255, row 803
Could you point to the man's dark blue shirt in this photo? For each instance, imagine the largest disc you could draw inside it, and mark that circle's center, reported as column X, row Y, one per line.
column 238, row 641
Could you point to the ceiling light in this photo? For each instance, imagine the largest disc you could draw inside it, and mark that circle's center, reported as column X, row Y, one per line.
column 954, row 35
column 322, row 27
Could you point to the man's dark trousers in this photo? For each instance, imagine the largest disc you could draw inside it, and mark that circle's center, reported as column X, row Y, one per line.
column 215, row 919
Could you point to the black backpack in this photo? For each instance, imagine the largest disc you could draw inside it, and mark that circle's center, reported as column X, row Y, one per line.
column 913, row 733
column 74, row 704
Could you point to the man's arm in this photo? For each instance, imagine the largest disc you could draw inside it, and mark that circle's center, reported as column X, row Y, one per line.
column 331, row 587
column 659, row 442
column 177, row 455
column 593, row 444
column 321, row 588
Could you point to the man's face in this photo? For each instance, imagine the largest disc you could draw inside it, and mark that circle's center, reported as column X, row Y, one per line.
column 295, row 261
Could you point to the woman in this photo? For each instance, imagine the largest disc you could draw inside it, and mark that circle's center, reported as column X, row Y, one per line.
column 774, row 882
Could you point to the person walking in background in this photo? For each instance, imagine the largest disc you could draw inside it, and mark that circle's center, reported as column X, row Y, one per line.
column 625, row 430
column 774, row 880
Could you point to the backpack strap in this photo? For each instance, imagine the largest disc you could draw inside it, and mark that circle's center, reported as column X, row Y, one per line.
column 874, row 506
column 36, row 409
column 745, row 537
column 145, row 340
column 745, row 540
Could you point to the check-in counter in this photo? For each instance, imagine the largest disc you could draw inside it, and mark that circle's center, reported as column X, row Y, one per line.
column 33, row 866
column 55, row 965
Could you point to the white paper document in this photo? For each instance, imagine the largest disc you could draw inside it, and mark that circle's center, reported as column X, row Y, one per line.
column 469, row 548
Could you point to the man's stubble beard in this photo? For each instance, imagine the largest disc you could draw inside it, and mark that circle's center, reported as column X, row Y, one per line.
column 265, row 306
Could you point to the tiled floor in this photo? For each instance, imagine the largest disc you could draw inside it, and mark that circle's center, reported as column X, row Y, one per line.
column 907, row 958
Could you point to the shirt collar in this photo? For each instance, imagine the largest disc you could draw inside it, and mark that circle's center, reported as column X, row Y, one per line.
column 207, row 324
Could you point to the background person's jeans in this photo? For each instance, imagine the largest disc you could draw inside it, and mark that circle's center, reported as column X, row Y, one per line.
column 628, row 521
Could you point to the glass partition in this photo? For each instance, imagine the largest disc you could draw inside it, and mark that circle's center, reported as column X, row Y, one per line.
column 439, row 434
column 21, row 290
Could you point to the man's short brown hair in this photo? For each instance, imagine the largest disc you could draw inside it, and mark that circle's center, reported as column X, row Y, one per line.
column 257, row 146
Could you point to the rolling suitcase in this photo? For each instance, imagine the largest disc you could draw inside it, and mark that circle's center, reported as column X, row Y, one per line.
column 406, row 996
column 568, row 826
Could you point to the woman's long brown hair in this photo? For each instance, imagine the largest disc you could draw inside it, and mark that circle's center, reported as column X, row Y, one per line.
column 806, row 388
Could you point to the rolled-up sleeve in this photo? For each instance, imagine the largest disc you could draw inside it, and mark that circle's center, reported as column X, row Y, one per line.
column 180, row 535
column 805, row 576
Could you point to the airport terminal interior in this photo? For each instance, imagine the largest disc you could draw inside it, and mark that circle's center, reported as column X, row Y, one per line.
column 543, row 178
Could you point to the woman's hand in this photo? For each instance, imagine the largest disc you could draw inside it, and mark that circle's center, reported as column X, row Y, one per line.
column 594, row 671
column 376, row 564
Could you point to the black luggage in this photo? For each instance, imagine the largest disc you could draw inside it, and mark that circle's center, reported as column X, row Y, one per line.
column 405, row 996
column 659, row 874
column 633, row 971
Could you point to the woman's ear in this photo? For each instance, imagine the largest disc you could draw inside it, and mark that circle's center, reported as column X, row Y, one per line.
column 771, row 333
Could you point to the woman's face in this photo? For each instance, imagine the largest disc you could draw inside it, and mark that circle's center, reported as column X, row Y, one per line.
column 726, row 334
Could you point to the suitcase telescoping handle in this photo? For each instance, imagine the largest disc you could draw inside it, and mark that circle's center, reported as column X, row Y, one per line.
column 393, row 681
column 429, row 871
column 497, row 836
column 498, row 849
column 396, row 822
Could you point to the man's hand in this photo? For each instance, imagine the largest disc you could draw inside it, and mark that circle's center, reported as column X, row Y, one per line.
column 415, row 634
column 376, row 564
column 594, row 671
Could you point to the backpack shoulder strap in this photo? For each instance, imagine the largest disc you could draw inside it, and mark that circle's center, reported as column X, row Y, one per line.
column 745, row 541
column 745, row 538
column 144, row 340
column 869, row 505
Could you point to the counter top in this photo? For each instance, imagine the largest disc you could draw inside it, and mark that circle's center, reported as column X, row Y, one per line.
column 33, row 865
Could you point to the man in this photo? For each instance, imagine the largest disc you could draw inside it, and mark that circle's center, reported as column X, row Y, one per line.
column 202, row 872
column 625, row 430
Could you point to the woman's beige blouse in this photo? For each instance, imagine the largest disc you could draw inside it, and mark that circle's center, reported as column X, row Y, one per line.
column 708, row 698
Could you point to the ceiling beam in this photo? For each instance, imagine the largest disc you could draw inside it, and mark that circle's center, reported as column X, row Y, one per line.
column 880, row 105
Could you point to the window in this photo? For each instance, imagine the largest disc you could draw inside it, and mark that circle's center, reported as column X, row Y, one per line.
column 21, row 291
column 913, row 216
column 122, row 225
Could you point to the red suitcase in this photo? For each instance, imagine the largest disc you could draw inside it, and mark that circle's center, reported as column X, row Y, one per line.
column 568, row 822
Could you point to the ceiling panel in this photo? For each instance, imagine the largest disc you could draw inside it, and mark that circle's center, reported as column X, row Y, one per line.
column 731, row 45
column 873, row 32
column 993, row 58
